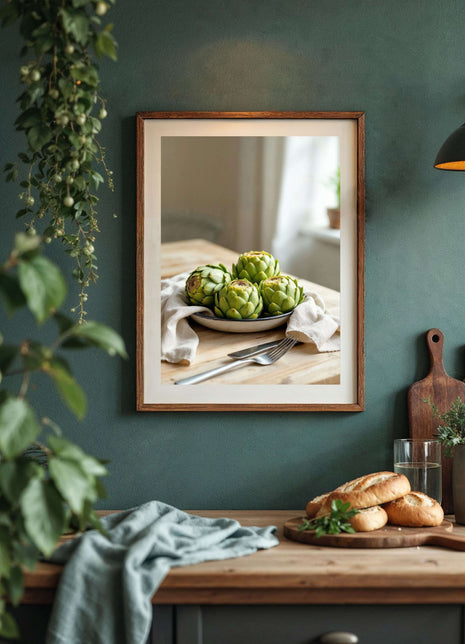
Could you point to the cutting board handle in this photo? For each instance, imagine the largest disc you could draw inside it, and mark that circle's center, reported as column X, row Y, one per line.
column 454, row 541
column 435, row 342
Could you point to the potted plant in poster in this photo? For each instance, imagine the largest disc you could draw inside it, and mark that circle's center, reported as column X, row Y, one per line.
column 334, row 213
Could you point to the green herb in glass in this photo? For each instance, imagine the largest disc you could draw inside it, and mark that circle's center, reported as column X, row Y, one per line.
column 335, row 522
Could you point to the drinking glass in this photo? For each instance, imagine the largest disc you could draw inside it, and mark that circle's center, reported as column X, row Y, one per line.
column 420, row 460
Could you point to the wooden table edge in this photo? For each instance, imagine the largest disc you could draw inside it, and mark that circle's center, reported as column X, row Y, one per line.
column 197, row 584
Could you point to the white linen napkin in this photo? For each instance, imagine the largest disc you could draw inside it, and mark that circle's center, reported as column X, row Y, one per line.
column 308, row 323
column 179, row 341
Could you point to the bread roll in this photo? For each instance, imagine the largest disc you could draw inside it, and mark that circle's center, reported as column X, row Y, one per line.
column 415, row 510
column 315, row 504
column 369, row 490
column 369, row 519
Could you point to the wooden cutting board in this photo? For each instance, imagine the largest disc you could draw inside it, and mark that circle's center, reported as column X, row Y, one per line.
column 390, row 536
column 443, row 390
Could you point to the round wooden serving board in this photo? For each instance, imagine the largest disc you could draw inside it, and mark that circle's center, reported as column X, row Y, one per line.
column 390, row 536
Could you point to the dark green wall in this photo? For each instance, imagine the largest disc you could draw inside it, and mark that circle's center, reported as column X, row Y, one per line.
column 403, row 64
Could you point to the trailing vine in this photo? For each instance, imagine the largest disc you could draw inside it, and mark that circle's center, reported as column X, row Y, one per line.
column 48, row 484
column 61, row 116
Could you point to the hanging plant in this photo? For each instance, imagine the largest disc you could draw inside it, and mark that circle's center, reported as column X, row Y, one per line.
column 47, row 483
column 61, row 114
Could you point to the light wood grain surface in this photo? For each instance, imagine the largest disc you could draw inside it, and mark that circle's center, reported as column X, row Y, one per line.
column 299, row 573
column 303, row 365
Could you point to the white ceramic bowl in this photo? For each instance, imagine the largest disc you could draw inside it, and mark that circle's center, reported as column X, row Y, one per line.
column 240, row 326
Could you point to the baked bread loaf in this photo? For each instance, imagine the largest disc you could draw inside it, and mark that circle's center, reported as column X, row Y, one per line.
column 315, row 504
column 369, row 519
column 369, row 490
column 415, row 510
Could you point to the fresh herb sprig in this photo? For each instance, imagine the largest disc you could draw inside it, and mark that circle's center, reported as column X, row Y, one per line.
column 335, row 522
column 451, row 432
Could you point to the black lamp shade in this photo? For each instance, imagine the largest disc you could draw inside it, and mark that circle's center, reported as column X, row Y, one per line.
column 451, row 156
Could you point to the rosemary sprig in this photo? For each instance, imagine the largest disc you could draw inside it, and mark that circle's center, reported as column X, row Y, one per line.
column 451, row 431
column 335, row 522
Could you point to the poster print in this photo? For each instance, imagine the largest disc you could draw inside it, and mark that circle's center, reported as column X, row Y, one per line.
column 249, row 232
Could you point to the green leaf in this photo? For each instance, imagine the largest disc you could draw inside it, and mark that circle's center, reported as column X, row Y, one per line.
column 96, row 524
column 71, row 392
column 15, row 477
column 8, row 626
column 14, row 585
column 26, row 553
column 333, row 523
column 43, row 286
column 39, row 135
column 5, row 559
column 65, row 449
column 5, row 519
column 18, row 427
column 12, row 175
column 43, row 38
column 96, row 178
column 74, row 139
column 12, row 294
column 83, row 519
column 101, row 336
column 75, row 23
column 66, row 87
column 27, row 119
column 100, row 488
column 85, row 74
column 44, row 514
column 73, row 483
column 80, row 182
column 96, row 124
column 105, row 45
column 34, row 92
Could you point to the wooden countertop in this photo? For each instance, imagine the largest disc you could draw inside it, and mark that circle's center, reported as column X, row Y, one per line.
column 303, row 365
column 295, row 573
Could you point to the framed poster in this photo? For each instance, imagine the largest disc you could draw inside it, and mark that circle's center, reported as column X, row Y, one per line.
column 234, row 198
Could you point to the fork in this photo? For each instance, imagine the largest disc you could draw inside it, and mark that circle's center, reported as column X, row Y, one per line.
column 264, row 359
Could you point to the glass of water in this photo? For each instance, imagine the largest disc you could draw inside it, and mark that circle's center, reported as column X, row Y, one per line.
column 420, row 460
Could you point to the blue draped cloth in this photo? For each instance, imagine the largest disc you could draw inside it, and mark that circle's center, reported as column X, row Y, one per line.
column 105, row 591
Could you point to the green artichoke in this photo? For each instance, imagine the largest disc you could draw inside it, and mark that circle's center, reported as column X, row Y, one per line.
column 238, row 300
column 255, row 266
column 204, row 282
column 280, row 294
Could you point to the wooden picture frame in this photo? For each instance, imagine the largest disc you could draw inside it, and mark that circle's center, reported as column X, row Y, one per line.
column 167, row 146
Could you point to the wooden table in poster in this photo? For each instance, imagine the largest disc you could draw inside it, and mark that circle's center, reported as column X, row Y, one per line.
column 303, row 365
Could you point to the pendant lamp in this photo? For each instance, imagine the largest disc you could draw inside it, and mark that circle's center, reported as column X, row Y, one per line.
column 451, row 156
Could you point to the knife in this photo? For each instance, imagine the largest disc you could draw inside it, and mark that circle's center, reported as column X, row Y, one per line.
column 255, row 350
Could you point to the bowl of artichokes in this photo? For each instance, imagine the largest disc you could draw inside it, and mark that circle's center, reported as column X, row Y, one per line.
column 253, row 296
